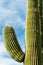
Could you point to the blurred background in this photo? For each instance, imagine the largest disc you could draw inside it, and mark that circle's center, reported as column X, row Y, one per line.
column 12, row 12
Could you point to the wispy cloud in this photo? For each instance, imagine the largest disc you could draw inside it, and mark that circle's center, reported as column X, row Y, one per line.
column 2, row 49
column 14, row 16
column 6, row 12
column 6, row 61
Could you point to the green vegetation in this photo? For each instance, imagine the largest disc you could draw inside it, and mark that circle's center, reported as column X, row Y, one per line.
column 33, row 36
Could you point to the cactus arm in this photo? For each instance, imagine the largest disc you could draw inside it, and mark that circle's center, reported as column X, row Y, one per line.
column 32, row 34
column 12, row 44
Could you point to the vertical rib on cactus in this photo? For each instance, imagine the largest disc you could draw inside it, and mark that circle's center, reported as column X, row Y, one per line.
column 12, row 45
column 42, row 24
column 41, row 19
column 32, row 34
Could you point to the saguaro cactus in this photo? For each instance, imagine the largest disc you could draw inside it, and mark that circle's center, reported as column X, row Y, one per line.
column 33, row 36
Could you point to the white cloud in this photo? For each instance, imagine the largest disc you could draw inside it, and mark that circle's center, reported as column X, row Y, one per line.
column 6, row 61
column 6, row 12
column 16, row 21
column 11, row 16
column 2, row 48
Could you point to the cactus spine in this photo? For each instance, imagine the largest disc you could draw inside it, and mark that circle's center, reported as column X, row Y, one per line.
column 33, row 36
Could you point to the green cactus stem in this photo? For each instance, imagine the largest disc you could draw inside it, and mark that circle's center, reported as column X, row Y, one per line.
column 12, row 45
column 33, row 36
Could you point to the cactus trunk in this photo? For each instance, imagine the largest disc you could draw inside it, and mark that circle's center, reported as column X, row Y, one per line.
column 32, row 33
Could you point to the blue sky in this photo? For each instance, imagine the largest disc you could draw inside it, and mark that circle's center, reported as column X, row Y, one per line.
column 12, row 12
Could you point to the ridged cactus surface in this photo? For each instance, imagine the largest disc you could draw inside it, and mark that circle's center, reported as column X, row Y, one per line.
column 33, row 36
column 12, row 45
